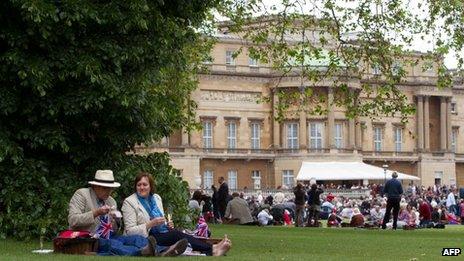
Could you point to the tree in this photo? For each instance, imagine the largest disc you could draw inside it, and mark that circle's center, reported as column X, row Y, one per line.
column 348, row 38
column 83, row 82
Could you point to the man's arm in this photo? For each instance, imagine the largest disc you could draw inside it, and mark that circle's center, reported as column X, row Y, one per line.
column 401, row 188
column 77, row 217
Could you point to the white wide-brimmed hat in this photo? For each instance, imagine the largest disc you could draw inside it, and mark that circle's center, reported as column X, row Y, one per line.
column 104, row 178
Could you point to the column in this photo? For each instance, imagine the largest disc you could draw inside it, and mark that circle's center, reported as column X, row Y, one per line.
column 443, row 123
column 330, row 118
column 185, row 137
column 351, row 134
column 448, row 123
column 426, row 124
column 302, row 134
column 420, row 123
column 358, row 130
column 276, row 124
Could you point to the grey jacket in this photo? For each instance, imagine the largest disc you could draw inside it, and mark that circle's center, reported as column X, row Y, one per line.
column 238, row 208
column 135, row 216
column 80, row 215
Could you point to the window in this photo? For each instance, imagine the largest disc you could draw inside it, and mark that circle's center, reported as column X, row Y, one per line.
column 428, row 66
column 316, row 135
column 230, row 58
column 256, row 177
column 453, row 107
column 438, row 177
column 398, row 139
column 252, row 62
column 454, row 138
column 255, row 136
column 377, row 138
column 232, row 179
column 338, row 135
column 208, row 178
column 292, row 135
column 287, row 178
column 207, row 134
column 232, row 135
column 165, row 141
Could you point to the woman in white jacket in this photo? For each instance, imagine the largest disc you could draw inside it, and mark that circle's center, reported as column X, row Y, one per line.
column 143, row 215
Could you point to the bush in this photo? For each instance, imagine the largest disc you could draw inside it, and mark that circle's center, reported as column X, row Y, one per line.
column 37, row 196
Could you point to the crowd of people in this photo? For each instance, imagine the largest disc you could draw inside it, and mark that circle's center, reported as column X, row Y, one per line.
column 149, row 232
column 413, row 207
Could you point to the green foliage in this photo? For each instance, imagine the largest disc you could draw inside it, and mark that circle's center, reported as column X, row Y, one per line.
column 336, row 42
column 83, row 82
column 37, row 195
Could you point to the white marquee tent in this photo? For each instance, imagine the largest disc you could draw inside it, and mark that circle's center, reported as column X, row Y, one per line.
column 345, row 171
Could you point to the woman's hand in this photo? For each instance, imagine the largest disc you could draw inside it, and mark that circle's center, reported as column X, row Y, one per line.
column 156, row 222
column 170, row 225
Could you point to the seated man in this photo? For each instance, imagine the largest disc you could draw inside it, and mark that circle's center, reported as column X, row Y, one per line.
column 237, row 211
column 94, row 210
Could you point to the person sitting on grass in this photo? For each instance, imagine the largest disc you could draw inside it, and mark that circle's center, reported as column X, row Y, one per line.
column 144, row 215
column 237, row 211
column 93, row 209
column 357, row 220
column 265, row 218
column 333, row 220
column 376, row 216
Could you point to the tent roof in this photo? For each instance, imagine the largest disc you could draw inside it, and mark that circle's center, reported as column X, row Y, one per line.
column 345, row 171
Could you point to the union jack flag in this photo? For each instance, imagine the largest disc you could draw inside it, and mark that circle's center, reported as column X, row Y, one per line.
column 105, row 227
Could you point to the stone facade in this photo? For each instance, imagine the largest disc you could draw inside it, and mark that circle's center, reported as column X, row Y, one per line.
column 241, row 138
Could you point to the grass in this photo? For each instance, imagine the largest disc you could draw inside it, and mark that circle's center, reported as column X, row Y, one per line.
column 284, row 243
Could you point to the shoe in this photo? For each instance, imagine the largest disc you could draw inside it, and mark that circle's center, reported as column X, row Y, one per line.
column 177, row 249
column 149, row 250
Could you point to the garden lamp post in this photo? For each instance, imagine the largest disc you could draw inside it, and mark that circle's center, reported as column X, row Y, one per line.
column 385, row 167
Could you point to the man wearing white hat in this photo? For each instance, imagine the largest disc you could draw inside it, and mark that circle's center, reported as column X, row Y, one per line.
column 94, row 210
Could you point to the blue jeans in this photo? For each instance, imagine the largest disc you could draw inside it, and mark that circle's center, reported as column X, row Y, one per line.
column 122, row 245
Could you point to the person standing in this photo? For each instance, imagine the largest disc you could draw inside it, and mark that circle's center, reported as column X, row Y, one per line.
column 314, row 204
column 393, row 190
column 222, row 196
column 299, row 192
column 451, row 202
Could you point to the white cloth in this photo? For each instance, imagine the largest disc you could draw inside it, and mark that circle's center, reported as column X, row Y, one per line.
column 264, row 217
column 347, row 213
column 450, row 200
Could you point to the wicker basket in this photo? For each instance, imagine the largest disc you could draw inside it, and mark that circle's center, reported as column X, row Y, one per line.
column 75, row 246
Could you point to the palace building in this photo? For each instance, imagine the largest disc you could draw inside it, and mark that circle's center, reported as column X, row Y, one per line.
column 242, row 141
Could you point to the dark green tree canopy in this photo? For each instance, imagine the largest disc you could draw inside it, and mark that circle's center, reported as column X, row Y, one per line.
column 81, row 83
column 84, row 79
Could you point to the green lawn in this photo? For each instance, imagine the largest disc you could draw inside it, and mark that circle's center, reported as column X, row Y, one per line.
column 283, row 243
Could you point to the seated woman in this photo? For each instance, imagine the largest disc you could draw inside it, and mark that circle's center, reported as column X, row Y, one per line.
column 357, row 220
column 143, row 214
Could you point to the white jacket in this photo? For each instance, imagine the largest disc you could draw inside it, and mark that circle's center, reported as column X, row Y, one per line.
column 136, row 217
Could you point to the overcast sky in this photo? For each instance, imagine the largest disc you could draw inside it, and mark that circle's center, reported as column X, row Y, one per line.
column 418, row 44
